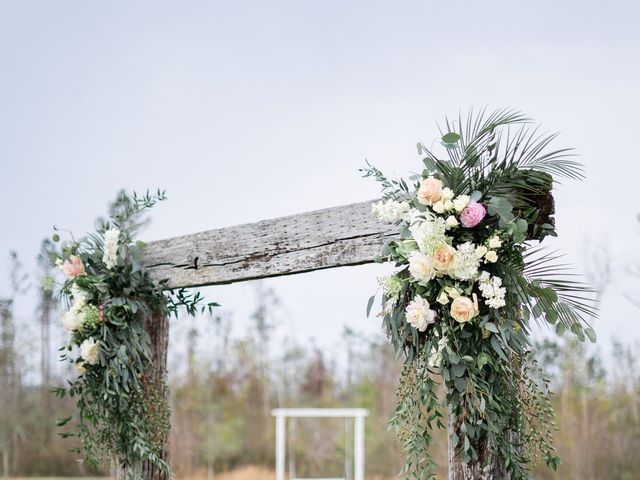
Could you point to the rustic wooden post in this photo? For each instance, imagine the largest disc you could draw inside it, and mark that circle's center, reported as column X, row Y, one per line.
column 471, row 471
column 158, row 328
column 333, row 237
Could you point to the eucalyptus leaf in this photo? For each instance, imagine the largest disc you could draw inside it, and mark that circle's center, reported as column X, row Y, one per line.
column 451, row 137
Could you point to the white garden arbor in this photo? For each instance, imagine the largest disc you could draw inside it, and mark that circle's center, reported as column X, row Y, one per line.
column 357, row 414
column 333, row 237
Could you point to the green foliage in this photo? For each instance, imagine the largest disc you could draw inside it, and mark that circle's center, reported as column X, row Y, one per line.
column 122, row 410
column 417, row 412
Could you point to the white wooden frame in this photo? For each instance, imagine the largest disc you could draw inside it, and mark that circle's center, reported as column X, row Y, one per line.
column 358, row 414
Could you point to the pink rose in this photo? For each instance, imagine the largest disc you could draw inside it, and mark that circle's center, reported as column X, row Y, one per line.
column 73, row 267
column 430, row 191
column 472, row 214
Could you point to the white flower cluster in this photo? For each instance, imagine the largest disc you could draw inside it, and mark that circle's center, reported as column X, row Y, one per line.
column 110, row 257
column 492, row 290
column 391, row 285
column 465, row 262
column 391, row 211
column 72, row 320
column 435, row 354
column 429, row 234
column 89, row 350
column 79, row 295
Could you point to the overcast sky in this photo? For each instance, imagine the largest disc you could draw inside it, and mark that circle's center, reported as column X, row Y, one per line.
column 249, row 110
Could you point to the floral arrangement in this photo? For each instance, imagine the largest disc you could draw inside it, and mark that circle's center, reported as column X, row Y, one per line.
column 470, row 279
column 123, row 413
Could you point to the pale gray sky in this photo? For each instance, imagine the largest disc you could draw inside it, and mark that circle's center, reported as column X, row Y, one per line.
column 249, row 110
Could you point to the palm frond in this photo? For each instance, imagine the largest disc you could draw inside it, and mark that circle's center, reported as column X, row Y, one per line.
column 527, row 148
column 572, row 300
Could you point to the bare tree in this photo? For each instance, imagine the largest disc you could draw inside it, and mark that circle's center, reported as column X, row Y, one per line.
column 597, row 268
column 10, row 381
column 46, row 308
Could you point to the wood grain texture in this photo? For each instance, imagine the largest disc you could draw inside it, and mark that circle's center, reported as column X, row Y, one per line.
column 332, row 237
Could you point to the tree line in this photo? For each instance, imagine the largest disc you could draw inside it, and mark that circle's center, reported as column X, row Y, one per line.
column 222, row 401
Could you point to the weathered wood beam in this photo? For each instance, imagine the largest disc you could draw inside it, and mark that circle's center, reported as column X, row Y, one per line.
column 332, row 237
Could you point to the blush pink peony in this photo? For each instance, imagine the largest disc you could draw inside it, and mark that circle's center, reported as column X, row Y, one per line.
column 73, row 267
column 472, row 214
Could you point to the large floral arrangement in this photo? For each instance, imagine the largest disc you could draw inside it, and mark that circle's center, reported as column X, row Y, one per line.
column 123, row 413
column 470, row 278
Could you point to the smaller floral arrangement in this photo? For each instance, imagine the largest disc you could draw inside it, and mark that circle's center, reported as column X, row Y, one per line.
column 469, row 279
column 123, row 413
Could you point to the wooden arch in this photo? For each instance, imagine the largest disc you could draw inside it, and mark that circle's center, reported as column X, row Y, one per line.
column 333, row 237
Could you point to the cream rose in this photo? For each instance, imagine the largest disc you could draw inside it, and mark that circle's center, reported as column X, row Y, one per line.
column 419, row 314
column 443, row 256
column 443, row 298
column 452, row 291
column 460, row 202
column 481, row 251
column 451, row 221
column 463, row 309
column 421, row 267
column 447, row 194
column 448, row 205
column 438, row 207
column 430, row 191
column 494, row 242
column 491, row 256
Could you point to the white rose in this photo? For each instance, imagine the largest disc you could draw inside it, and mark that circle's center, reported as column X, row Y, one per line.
column 491, row 256
column 460, row 202
column 89, row 350
column 71, row 320
column 480, row 251
column 448, row 205
column 447, row 194
column 452, row 221
column 494, row 242
column 438, row 207
column 419, row 314
column 421, row 267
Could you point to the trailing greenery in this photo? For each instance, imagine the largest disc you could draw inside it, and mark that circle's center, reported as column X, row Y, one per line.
column 470, row 279
column 122, row 410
